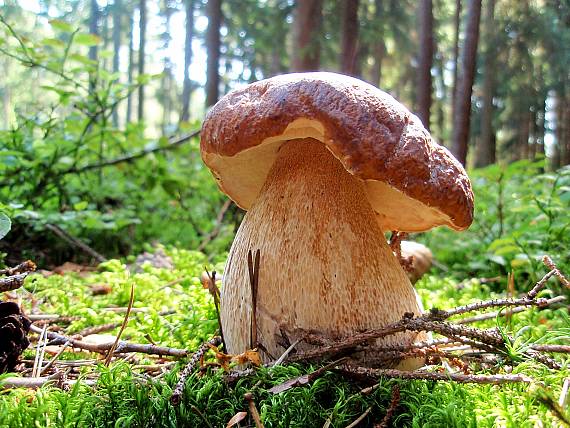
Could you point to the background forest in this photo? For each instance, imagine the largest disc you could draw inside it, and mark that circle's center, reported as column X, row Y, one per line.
column 101, row 101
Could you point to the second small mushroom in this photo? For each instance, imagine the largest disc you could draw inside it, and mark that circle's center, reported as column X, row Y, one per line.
column 325, row 164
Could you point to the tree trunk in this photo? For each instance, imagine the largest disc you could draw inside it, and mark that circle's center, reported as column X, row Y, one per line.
column 186, row 90
column 540, row 126
column 105, row 36
column 524, row 133
column 130, row 68
column 306, row 34
column 486, row 151
column 349, row 36
column 425, row 60
column 462, row 117
column 94, row 27
column 440, row 101
column 379, row 46
column 214, row 13
column 117, row 12
column 533, row 136
column 167, row 78
column 457, row 24
column 142, row 42
column 562, row 147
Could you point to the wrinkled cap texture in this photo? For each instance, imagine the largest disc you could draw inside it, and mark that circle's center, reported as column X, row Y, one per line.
column 412, row 182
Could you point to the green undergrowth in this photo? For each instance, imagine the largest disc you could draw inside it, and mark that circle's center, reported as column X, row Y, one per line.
column 125, row 397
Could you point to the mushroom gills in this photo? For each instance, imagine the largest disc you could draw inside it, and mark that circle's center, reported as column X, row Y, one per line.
column 325, row 265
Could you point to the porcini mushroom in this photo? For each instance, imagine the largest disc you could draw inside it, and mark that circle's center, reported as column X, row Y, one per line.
column 325, row 164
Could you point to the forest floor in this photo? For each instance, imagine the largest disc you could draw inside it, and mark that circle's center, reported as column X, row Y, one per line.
column 169, row 307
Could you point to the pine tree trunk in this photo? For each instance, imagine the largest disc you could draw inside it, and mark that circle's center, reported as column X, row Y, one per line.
column 117, row 12
column 105, row 36
column 349, row 36
column 141, row 63
column 93, row 29
column 562, row 148
column 306, row 33
column 457, row 25
column 440, row 103
column 462, row 117
column 540, row 126
column 486, row 152
column 379, row 46
column 186, row 90
column 94, row 16
column 166, row 72
column 425, row 61
column 214, row 13
column 524, row 133
column 130, row 69
column 564, row 132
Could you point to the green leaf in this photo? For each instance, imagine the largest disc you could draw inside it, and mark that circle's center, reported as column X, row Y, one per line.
column 80, row 58
column 56, row 43
column 85, row 39
column 58, row 24
column 500, row 260
column 5, row 225
column 80, row 206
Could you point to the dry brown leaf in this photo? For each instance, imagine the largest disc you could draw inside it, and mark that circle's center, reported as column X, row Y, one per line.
column 236, row 419
column 69, row 267
column 100, row 289
column 250, row 356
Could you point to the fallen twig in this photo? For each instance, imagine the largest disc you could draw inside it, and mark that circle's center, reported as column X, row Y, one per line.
column 132, row 156
column 54, row 359
column 215, row 292
column 304, row 379
column 27, row 266
column 51, row 317
column 560, row 349
column 491, row 338
column 248, row 396
column 103, row 348
column 123, row 326
column 253, row 269
column 97, row 329
column 496, row 379
column 75, row 242
column 515, row 310
column 13, row 282
column 196, row 357
column 392, row 409
column 216, row 230
column 360, row 418
column 552, row 266
column 42, row 340
column 38, row 382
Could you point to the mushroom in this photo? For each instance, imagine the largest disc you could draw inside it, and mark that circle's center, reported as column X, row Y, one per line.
column 325, row 164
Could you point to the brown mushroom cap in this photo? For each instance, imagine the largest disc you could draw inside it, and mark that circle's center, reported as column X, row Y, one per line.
column 412, row 183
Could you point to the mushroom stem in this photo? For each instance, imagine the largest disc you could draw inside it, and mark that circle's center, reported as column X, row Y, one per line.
column 326, row 266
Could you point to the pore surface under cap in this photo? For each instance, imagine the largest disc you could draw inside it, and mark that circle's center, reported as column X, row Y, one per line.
column 412, row 182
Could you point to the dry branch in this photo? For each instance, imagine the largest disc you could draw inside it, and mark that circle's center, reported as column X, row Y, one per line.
column 196, row 357
column 133, row 156
column 248, row 396
column 218, row 226
column 121, row 348
column 496, row 379
column 515, row 310
column 392, row 409
column 27, row 266
column 75, row 242
column 13, row 282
